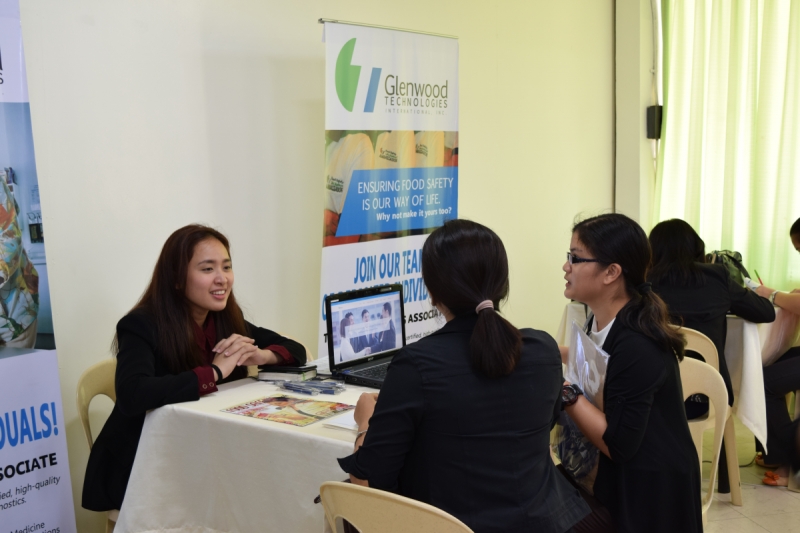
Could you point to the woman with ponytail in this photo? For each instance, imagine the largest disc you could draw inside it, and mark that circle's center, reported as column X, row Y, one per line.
column 648, row 477
column 464, row 416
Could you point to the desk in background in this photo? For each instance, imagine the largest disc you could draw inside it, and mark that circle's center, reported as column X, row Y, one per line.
column 200, row 470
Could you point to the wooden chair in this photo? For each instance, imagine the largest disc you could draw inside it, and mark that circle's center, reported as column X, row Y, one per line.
column 700, row 378
column 378, row 511
column 97, row 379
column 697, row 342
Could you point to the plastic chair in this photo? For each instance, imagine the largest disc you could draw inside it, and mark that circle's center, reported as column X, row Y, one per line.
column 97, row 379
column 378, row 511
column 697, row 342
column 700, row 378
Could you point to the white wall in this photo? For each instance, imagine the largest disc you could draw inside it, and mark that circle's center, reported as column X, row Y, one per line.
column 149, row 115
column 635, row 170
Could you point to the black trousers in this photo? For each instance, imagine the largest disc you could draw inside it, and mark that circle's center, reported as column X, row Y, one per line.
column 780, row 378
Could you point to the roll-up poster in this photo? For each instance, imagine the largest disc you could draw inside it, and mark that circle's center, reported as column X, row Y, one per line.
column 391, row 163
column 35, row 487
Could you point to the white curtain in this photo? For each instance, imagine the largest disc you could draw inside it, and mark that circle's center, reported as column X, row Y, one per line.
column 729, row 162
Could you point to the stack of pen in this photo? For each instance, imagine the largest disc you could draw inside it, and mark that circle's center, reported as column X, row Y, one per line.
column 313, row 387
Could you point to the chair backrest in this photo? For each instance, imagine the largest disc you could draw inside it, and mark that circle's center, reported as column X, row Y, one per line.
column 97, row 379
column 697, row 342
column 700, row 378
column 378, row 511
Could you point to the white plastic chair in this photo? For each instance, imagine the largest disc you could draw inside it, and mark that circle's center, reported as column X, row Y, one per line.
column 378, row 511
column 97, row 379
column 697, row 342
column 700, row 378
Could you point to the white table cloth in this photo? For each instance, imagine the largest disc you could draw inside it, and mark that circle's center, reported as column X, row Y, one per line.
column 200, row 470
column 742, row 354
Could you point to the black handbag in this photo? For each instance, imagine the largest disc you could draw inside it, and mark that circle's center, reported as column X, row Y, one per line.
column 732, row 261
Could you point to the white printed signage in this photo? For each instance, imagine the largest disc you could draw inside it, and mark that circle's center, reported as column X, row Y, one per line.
column 35, row 488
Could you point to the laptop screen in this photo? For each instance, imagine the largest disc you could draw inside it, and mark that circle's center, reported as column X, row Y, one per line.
column 365, row 324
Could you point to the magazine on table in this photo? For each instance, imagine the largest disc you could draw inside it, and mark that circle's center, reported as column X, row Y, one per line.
column 289, row 409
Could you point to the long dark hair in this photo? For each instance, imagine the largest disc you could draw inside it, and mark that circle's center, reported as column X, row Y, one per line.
column 677, row 248
column 165, row 299
column 463, row 264
column 615, row 238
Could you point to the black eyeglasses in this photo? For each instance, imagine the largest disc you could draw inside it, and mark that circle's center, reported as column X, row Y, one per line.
column 573, row 259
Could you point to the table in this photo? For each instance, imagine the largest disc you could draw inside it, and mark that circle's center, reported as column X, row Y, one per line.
column 742, row 354
column 200, row 470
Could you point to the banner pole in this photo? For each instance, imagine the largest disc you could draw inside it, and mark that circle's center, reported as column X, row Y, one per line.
column 336, row 21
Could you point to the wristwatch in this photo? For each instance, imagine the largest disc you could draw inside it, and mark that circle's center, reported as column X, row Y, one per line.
column 569, row 395
column 772, row 297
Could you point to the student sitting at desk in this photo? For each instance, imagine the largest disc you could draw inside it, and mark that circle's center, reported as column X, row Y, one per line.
column 186, row 335
column 699, row 295
column 781, row 378
column 463, row 419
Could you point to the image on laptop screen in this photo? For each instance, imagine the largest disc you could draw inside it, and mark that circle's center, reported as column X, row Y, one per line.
column 364, row 327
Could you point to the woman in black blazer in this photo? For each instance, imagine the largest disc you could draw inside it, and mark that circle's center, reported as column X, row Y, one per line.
column 463, row 419
column 186, row 335
column 699, row 295
column 648, row 477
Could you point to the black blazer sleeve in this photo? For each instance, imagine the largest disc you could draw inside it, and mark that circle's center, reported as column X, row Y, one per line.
column 138, row 388
column 265, row 338
column 747, row 304
column 636, row 372
column 392, row 427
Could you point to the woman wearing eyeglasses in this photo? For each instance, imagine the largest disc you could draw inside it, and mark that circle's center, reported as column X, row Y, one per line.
column 648, row 477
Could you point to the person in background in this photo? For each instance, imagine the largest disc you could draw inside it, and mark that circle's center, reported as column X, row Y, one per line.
column 781, row 378
column 19, row 281
column 365, row 341
column 347, row 347
column 185, row 336
column 387, row 339
column 648, row 477
column 463, row 419
column 698, row 295
column 347, row 152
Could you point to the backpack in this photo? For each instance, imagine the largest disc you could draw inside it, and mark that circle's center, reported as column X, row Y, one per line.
column 732, row 261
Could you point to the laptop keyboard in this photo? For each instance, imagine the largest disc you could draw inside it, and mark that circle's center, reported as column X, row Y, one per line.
column 374, row 372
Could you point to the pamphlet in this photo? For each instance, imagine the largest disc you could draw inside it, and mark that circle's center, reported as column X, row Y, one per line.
column 289, row 409
column 586, row 367
column 346, row 421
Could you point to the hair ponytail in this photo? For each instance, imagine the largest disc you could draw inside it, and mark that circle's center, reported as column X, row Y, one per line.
column 463, row 265
column 615, row 238
column 495, row 345
column 647, row 313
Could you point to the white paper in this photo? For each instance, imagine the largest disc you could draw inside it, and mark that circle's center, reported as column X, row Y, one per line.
column 344, row 421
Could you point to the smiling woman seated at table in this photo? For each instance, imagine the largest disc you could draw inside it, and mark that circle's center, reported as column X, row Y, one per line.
column 463, row 418
column 186, row 335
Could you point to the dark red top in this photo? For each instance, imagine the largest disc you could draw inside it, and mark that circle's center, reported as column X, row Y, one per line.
column 206, row 339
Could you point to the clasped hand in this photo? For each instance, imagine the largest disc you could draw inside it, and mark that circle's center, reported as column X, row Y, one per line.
column 238, row 350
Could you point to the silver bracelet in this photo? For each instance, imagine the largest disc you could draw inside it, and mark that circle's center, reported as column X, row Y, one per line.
column 358, row 435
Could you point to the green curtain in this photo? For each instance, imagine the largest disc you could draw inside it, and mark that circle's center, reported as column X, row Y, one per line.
column 729, row 162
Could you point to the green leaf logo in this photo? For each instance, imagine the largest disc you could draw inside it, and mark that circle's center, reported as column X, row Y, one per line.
column 347, row 75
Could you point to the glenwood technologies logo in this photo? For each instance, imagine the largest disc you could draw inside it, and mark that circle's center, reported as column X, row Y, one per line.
column 397, row 93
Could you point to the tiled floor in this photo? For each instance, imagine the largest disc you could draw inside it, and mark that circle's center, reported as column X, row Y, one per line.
column 765, row 508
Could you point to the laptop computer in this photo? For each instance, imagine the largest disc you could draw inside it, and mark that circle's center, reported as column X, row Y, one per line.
column 365, row 330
